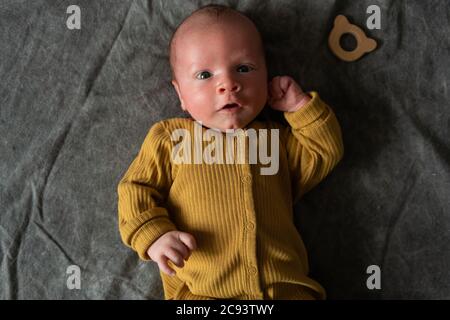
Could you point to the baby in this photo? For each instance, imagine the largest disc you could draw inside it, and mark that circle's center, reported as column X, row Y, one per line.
column 224, row 230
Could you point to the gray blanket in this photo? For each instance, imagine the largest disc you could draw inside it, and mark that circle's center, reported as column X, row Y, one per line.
column 75, row 106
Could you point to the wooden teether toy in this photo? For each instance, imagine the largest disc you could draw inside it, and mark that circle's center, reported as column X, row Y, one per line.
column 363, row 43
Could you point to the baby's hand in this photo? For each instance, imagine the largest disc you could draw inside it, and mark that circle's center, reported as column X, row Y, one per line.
column 286, row 95
column 175, row 246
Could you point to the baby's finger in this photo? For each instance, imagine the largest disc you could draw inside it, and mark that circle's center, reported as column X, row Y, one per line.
column 182, row 249
column 164, row 266
column 285, row 82
column 175, row 257
column 188, row 240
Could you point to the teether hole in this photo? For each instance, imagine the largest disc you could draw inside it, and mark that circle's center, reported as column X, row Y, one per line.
column 348, row 42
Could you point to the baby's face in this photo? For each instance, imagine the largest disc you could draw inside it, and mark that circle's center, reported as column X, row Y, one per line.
column 219, row 64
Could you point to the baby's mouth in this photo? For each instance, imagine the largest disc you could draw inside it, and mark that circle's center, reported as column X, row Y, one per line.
column 231, row 106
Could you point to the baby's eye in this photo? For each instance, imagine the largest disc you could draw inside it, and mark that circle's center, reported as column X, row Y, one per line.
column 243, row 68
column 203, row 75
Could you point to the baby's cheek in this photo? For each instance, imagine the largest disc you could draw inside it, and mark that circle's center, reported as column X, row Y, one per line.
column 199, row 98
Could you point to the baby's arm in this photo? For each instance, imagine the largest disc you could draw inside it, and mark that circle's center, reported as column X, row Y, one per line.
column 314, row 141
column 144, row 223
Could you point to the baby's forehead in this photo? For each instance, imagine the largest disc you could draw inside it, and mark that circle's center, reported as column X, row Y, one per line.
column 202, row 24
column 217, row 40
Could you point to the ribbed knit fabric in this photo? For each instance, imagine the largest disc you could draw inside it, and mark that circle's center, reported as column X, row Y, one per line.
column 242, row 220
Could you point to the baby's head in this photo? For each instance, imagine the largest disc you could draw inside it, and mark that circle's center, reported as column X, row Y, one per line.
column 217, row 58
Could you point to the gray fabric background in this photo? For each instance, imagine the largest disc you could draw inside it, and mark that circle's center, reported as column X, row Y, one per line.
column 77, row 104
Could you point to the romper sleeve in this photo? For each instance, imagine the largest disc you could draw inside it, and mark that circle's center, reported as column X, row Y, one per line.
column 142, row 192
column 314, row 144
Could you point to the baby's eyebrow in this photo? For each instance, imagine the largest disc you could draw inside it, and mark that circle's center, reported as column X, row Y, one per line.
column 195, row 67
column 248, row 62
column 242, row 55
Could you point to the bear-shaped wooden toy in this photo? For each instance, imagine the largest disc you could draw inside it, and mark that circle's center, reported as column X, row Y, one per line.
column 363, row 43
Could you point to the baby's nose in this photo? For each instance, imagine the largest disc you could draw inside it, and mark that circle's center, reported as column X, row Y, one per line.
column 229, row 86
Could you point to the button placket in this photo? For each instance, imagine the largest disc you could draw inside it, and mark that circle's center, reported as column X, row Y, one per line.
column 246, row 179
column 250, row 231
column 250, row 226
column 252, row 270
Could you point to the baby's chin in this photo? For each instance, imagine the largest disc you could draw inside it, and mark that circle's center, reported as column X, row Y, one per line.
column 226, row 126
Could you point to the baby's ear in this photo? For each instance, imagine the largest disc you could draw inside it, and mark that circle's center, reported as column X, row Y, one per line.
column 177, row 89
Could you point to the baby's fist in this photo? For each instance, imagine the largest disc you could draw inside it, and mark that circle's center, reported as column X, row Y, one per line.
column 286, row 95
column 175, row 246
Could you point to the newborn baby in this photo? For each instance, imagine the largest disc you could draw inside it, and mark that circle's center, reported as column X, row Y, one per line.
column 225, row 230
